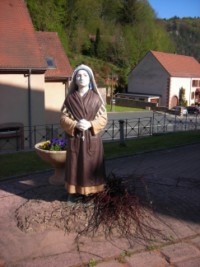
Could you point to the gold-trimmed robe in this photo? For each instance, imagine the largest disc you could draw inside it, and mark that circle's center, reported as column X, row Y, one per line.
column 85, row 169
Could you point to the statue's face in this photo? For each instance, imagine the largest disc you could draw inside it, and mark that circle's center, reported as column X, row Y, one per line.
column 82, row 78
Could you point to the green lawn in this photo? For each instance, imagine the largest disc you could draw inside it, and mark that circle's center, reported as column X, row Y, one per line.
column 21, row 163
column 27, row 162
column 123, row 109
column 144, row 144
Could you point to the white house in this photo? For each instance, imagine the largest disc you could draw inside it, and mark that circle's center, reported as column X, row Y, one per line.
column 161, row 77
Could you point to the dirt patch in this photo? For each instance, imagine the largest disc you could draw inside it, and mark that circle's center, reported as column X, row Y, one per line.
column 39, row 215
column 46, row 207
column 117, row 211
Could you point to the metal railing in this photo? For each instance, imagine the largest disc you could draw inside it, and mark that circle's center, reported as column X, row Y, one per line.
column 114, row 130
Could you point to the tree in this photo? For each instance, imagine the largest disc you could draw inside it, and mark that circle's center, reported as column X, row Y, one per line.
column 119, row 32
column 182, row 100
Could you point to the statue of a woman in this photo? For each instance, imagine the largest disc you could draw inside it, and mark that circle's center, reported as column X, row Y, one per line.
column 83, row 117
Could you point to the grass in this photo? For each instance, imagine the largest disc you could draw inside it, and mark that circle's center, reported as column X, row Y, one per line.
column 20, row 163
column 123, row 109
column 155, row 142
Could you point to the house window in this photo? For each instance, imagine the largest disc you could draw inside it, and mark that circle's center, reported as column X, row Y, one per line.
column 192, row 95
column 195, row 83
column 50, row 62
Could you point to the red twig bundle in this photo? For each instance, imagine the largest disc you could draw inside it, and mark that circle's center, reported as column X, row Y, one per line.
column 120, row 211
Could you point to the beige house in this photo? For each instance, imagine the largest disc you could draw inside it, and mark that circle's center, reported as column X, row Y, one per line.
column 162, row 77
column 34, row 71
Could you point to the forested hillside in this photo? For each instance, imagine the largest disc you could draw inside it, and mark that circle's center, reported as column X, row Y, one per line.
column 186, row 34
column 113, row 35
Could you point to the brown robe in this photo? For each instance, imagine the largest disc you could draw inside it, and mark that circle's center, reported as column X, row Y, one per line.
column 85, row 170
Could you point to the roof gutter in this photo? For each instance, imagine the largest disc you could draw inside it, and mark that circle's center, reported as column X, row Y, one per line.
column 21, row 68
column 57, row 78
column 24, row 70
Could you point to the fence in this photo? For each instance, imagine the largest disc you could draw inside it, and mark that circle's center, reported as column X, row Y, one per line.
column 115, row 130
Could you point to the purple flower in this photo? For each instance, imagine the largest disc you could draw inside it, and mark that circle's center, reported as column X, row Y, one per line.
column 55, row 144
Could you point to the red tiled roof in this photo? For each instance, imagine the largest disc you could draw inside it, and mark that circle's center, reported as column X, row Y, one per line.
column 178, row 65
column 18, row 43
column 51, row 47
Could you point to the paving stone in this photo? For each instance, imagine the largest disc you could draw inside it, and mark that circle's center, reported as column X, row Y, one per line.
column 63, row 260
column 196, row 241
column 190, row 263
column 101, row 248
column 2, row 263
column 180, row 252
column 179, row 228
column 194, row 226
column 154, row 259
column 174, row 229
column 112, row 264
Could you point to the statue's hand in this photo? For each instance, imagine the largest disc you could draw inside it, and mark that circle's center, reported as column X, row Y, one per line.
column 83, row 125
column 78, row 126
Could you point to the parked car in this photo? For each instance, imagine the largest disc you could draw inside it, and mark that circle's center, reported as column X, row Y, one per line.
column 193, row 110
column 177, row 110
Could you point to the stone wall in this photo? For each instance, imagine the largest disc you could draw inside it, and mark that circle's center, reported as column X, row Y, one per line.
column 132, row 103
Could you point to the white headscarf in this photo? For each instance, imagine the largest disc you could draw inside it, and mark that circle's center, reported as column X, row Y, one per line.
column 93, row 86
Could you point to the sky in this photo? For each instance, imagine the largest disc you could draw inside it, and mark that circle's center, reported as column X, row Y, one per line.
column 166, row 9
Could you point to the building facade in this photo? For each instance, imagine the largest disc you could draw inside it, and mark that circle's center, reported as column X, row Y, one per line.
column 172, row 79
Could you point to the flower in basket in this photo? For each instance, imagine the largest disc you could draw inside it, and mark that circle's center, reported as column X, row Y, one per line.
column 54, row 144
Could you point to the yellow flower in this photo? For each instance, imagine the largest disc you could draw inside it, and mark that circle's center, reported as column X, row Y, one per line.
column 45, row 145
